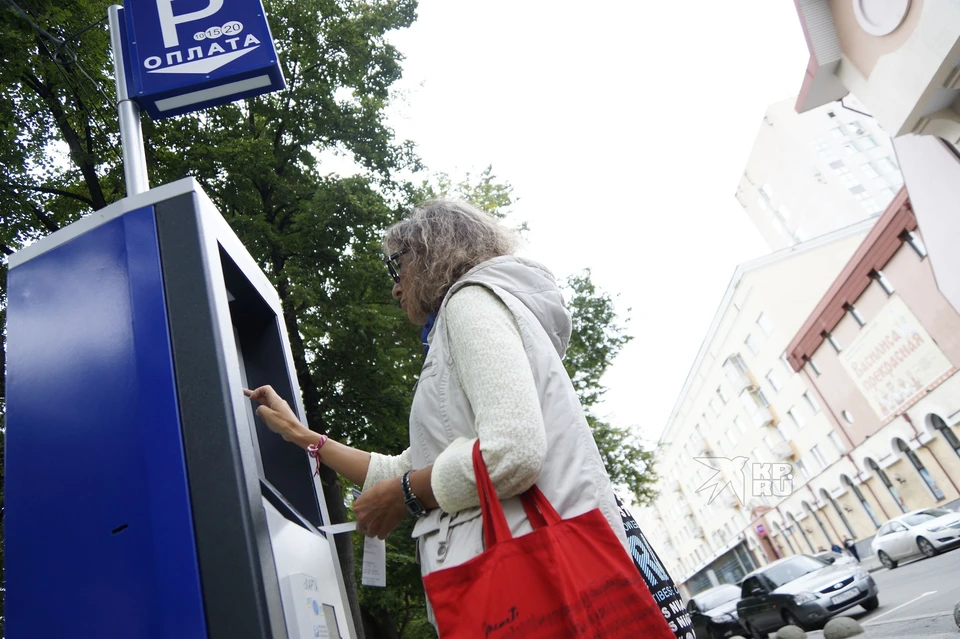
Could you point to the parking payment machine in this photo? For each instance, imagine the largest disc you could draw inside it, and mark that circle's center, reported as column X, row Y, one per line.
column 144, row 498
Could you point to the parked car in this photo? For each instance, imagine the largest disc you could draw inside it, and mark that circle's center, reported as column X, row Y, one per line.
column 801, row 591
column 714, row 612
column 831, row 557
column 921, row 532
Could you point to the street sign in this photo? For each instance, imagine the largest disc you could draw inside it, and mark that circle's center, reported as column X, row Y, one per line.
column 187, row 55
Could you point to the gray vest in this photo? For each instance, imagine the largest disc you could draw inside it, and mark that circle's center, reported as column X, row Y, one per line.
column 573, row 477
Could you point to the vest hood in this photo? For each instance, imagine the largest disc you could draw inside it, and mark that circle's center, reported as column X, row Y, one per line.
column 534, row 285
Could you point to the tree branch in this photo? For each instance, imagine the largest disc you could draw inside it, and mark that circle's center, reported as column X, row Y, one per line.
column 51, row 191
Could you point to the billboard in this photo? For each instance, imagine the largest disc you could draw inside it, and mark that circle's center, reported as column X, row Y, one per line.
column 188, row 55
column 894, row 361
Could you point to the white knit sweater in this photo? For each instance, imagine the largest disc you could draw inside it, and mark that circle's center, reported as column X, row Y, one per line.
column 494, row 372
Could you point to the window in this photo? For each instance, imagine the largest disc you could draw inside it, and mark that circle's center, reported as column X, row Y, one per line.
column 857, row 188
column 765, row 324
column 818, row 456
column 884, row 166
column 847, row 177
column 867, row 202
column 837, row 443
column 812, row 403
column 752, row 344
column 784, row 212
column 739, row 424
column 773, row 381
column 833, row 342
column 786, row 363
column 800, row 234
column 732, row 436
column 800, row 466
column 714, row 407
column 915, row 243
column 836, row 132
column 850, row 149
column 848, row 416
column 865, row 143
column 883, row 282
column 796, row 417
column 869, row 171
column 723, row 396
column 850, row 308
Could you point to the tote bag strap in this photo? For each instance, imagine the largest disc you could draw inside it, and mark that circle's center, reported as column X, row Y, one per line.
column 540, row 512
column 495, row 526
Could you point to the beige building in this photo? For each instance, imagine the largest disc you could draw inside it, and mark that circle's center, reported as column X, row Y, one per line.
column 901, row 58
column 879, row 353
column 811, row 174
column 741, row 411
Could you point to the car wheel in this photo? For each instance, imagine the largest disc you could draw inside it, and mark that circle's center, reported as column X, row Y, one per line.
column 791, row 620
column 887, row 560
column 926, row 548
column 871, row 604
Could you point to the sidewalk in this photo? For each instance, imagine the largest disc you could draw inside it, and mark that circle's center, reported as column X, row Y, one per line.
column 938, row 626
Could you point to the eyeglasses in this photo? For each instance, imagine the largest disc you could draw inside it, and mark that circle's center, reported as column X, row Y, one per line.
column 393, row 264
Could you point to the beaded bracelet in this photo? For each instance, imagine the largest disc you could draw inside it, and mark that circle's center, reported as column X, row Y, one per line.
column 314, row 451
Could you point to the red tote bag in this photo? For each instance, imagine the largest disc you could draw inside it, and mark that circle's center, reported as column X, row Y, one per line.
column 568, row 578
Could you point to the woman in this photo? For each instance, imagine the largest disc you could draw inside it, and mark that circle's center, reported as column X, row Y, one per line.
column 497, row 329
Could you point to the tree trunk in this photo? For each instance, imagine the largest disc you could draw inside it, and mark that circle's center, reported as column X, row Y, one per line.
column 332, row 488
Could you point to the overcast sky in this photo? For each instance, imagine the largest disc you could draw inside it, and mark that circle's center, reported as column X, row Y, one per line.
column 623, row 128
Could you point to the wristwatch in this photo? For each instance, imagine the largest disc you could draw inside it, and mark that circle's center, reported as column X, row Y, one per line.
column 414, row 506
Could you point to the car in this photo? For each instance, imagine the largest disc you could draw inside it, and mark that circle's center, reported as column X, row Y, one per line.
column 714, row 612
column 922, row 532
column 836, row 558
column 802, row 591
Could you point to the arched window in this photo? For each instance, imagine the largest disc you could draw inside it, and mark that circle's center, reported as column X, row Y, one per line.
column 816, row 518
column 785, row 536
column 894, row 492
column 826, row 496
column 938, row 424
column 803, row 533
column 920, row 468
column 846, row 481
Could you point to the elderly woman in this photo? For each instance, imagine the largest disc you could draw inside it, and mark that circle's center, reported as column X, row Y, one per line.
column 496, row 330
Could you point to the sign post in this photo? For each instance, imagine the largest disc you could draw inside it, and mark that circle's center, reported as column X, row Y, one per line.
column 131, row 137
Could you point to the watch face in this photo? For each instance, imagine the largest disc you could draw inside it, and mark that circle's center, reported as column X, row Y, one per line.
column 415, row 508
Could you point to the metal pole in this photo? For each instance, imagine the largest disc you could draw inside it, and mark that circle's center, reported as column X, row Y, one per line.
column 131, row 137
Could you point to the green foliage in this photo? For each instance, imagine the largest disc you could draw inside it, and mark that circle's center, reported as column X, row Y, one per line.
column 315, row 234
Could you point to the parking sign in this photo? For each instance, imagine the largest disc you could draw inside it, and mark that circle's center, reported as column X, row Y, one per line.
column 186, row 55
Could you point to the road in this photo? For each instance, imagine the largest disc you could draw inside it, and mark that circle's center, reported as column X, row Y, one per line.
column 916, row 600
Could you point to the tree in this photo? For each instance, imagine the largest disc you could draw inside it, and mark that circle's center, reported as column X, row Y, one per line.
column 315, row 235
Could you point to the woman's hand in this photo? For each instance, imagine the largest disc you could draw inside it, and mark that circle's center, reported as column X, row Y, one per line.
column 380, row 508
column 276, row 413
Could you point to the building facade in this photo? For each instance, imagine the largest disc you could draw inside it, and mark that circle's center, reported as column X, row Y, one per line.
column 880, row 353
column 738, row 416
column 811, row 174
column 902, row 60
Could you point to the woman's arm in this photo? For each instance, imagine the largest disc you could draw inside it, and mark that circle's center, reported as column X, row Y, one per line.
column 495, row 374
column 278, row 416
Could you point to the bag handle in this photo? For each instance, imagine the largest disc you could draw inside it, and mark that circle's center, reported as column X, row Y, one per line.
column 495, row 526
column 539, row 510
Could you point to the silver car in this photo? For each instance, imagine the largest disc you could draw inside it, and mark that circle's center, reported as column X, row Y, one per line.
column 801, row 591
column 921, row 532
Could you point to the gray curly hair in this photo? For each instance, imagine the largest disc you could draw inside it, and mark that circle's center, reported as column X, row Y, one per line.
column 447, row 238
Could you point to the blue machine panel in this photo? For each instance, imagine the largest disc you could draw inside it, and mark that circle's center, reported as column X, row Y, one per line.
column 99, row 533
column 192, row 54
